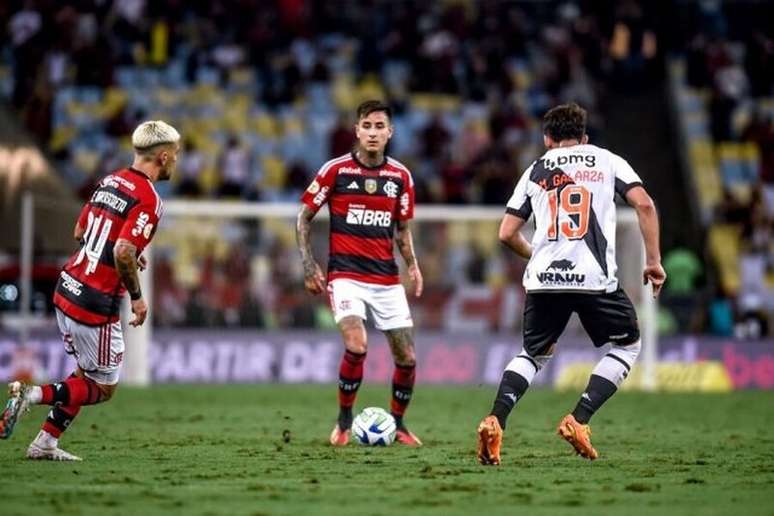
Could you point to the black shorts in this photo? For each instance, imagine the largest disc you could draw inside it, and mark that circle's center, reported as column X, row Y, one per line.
column 605, row 317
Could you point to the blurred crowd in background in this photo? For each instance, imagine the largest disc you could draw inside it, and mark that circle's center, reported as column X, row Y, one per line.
column 724, row 91
column 264, row 93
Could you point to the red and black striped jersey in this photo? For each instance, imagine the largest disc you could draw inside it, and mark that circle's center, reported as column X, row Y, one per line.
column 124, row 205
column 365, row 204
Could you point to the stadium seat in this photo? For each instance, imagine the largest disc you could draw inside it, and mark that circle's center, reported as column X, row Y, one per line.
column 724, row 246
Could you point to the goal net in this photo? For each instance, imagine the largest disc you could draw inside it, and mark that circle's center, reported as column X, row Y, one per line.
column 223, row 266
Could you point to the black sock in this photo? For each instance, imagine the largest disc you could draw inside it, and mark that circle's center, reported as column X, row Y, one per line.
column 597, row 393
column 59, row 419
column 345, row 418
column 512, row 388
column 398, row 420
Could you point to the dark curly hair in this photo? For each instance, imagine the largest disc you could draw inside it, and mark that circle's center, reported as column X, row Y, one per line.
column 565, row 122
column 372, row 106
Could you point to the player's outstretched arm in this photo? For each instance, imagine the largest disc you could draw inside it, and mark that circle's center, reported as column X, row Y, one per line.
column 314, row 281
column 510, row 235
column 405, row 243
column 647, row 215
column 125, row 258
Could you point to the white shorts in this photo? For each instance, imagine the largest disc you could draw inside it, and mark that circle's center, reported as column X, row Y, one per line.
column 387, row 303
column 98, row 350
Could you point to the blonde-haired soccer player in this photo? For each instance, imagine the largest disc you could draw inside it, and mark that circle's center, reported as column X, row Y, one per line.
column 113, row 228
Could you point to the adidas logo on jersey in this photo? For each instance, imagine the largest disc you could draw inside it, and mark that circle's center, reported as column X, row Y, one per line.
column 353, row 186
column 364, row 217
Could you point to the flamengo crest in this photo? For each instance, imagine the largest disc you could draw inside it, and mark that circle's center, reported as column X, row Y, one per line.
column 391, row 189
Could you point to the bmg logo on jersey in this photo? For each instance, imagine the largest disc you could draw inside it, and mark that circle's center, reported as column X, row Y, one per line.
column 364, row 217
column 588, row 160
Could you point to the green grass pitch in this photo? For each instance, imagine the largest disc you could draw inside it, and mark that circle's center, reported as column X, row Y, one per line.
column 220, row 450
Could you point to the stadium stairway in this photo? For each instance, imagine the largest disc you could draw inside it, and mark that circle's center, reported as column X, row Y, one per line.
column 640, row 129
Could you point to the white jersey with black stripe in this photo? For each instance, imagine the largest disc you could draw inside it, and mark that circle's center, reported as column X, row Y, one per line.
column 571, row 192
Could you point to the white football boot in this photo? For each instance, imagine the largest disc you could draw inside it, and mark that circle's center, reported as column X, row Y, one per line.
column 37, row 452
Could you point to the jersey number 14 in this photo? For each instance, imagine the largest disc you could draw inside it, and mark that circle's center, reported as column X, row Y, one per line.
column 95, row 238
column 574, row 200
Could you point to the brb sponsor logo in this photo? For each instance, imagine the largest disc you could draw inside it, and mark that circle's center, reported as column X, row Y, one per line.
column 562, row 276
column 363, row 217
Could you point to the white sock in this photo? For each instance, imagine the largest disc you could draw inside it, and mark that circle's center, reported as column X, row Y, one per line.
column 616, row 365
column 46, row 440
column 35, row 395
column 527, row 366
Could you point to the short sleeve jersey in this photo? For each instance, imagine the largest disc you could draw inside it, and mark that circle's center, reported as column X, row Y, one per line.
column 365, row 203
column 124, row 205
column 571, row 191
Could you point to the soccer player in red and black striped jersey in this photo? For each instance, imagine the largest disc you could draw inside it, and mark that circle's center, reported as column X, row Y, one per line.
column 371, row 199
column 113, row 229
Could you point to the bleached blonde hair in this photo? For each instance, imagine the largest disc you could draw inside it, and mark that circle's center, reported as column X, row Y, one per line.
column 153, row 132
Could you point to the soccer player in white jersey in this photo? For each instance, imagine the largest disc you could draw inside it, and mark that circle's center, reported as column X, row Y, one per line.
column 572, row 268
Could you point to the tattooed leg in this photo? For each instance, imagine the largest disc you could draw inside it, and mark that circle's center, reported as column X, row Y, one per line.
column 402, row 346
column 350, row 370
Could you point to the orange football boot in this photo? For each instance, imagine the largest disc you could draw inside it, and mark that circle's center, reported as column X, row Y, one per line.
column 578, row 435
column 405, row 436
column 490, row 438
column 339, row 437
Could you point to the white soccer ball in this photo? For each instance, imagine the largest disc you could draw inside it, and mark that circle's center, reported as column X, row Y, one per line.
column 374, row 427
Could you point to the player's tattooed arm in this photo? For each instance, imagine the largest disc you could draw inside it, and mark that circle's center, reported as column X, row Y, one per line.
column 402, row 345
column 314, row 281
column 405, row 243
column 125, row 258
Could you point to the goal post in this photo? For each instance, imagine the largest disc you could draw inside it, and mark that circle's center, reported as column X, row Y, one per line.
column 189, row 217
